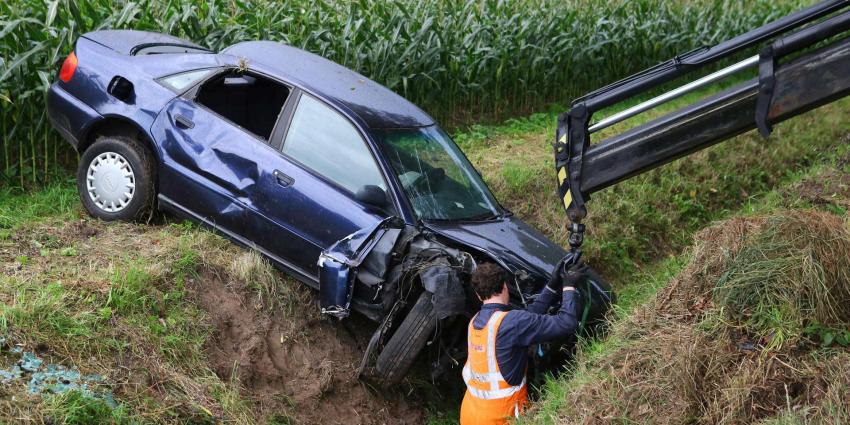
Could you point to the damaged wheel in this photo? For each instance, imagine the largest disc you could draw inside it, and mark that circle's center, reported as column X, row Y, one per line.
column 408, row 340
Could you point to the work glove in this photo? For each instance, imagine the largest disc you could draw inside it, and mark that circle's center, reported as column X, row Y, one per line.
column 556, row 281
column 574, row 275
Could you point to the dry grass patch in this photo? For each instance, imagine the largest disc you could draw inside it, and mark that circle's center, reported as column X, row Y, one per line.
column 747, row 332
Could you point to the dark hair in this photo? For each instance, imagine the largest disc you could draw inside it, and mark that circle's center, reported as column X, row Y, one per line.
column 487, row 280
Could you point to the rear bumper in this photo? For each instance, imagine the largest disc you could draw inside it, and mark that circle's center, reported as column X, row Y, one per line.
column 69, row 115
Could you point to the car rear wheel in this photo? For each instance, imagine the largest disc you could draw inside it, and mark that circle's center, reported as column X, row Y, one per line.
column 115, row 179
column 408, row 340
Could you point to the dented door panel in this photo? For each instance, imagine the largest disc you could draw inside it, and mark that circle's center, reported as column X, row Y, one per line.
column 206, row 168
column 314, row 212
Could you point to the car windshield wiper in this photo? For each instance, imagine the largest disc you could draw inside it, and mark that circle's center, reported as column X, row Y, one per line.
column 487, row 216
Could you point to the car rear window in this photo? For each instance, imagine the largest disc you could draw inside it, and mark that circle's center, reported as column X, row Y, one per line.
column 165, row 48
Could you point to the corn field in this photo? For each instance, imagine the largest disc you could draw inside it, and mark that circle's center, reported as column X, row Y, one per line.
column 462, row 61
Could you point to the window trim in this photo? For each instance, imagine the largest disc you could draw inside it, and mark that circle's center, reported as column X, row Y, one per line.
column 215, row 71
column 281, row 126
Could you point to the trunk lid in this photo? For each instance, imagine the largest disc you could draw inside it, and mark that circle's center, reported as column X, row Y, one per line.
column 132, row 42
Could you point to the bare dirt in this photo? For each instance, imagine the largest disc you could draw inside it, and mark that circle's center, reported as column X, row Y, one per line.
column 829, row 187
column 298, row 364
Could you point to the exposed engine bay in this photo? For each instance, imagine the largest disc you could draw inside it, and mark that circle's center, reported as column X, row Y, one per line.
column 415, row 283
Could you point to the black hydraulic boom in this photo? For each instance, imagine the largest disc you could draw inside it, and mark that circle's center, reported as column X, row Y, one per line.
column 818, row 38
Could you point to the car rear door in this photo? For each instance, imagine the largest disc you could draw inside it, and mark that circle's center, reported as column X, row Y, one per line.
column 309, row 187
column 204, row 173
column 216, row 153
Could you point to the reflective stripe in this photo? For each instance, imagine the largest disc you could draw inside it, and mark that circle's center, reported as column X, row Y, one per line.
column 492, row 366
column 495, row 394
column 470, row 375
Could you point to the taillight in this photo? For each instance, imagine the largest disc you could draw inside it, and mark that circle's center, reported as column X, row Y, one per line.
column 68, row 68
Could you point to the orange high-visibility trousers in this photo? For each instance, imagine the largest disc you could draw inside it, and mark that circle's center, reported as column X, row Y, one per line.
column 489, row 399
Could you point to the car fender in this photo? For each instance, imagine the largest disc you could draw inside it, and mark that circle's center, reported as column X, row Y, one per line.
column 339, row 265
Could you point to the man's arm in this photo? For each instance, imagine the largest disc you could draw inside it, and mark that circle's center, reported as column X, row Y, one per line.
column 533, row 325
column 532, row 328
column 543, row 301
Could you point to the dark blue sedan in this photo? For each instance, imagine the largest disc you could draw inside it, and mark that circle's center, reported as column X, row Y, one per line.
column 337, row 180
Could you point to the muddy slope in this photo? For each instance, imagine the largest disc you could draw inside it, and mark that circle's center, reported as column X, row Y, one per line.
column 295, row 364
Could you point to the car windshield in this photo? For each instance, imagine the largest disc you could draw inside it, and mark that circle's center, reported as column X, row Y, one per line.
column 436, row 177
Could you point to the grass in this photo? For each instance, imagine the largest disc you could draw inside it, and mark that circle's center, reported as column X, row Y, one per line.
column 75, row 408
column 18, row 206
column 461, row 61
column 775, row 294
column 112, row 305
column 678, row 357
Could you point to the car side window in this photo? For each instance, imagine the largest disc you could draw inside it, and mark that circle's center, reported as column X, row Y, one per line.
column 325, row 141
column 248, row 100
column 182, row 81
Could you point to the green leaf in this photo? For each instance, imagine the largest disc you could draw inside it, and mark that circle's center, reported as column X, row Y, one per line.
column 827, row 338
column 843, row 339
column 51, row 13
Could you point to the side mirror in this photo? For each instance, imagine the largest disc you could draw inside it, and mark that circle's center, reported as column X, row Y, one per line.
column 372, row 195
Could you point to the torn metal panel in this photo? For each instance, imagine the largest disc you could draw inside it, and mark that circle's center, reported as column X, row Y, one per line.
column 338, row 265
column 508, row 240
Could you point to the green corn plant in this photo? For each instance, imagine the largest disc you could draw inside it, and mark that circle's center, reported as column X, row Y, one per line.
column 461, row 60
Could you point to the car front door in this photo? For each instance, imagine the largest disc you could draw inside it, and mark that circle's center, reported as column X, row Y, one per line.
column 309, row 188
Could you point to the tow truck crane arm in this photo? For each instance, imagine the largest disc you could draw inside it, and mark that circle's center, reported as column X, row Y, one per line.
column 814, row 77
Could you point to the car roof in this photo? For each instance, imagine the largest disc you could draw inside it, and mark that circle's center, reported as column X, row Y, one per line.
column 376, row 105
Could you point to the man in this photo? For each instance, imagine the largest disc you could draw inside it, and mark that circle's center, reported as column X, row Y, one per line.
column 499, row 339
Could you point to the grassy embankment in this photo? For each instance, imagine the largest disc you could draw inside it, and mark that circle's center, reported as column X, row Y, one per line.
column 122, row 300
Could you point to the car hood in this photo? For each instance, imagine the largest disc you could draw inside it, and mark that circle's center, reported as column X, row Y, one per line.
column 508, row 240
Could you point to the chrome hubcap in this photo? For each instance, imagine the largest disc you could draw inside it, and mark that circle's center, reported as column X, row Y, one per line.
column 110, row 182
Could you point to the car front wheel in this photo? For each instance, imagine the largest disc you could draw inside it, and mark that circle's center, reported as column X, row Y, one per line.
column 411, row 337
column 115, row 179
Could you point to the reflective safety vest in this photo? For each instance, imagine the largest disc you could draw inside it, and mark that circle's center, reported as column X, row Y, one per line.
column 489, row 399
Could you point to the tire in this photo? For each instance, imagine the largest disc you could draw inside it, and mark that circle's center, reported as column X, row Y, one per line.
column 109, row 170
column 408, row 340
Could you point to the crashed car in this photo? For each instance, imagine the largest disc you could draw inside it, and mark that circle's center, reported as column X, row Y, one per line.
column 338, row 181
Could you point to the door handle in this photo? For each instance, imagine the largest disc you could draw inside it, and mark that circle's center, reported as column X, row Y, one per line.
column 283, row 179
column 183, row 122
